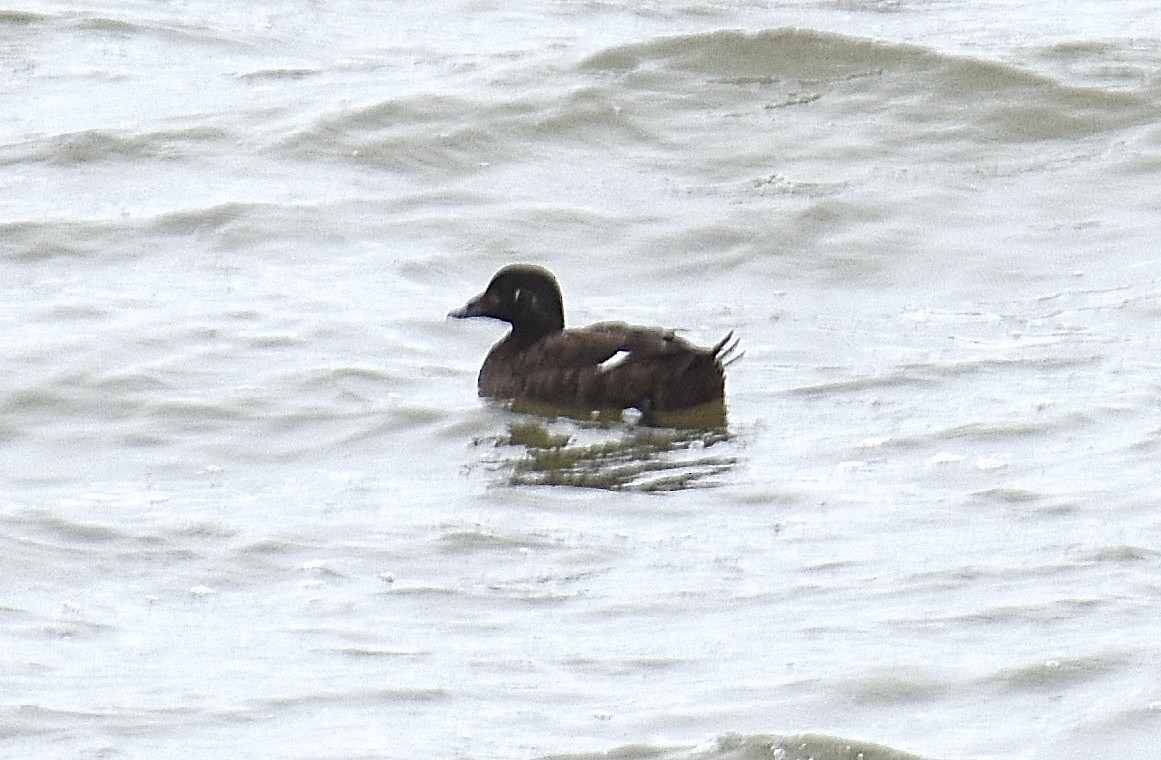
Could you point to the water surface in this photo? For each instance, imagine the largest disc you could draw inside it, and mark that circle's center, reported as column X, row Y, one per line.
column 249, row 497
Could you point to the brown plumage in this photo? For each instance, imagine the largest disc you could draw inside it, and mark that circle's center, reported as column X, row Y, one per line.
column 608, row 365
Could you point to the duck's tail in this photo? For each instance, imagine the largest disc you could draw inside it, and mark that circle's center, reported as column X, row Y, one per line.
column 725, row 351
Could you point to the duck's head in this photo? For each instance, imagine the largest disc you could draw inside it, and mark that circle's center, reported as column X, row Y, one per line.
column 525, row 296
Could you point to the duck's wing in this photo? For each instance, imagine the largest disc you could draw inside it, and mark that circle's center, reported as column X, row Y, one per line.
column 597, row 344
column 613, row 364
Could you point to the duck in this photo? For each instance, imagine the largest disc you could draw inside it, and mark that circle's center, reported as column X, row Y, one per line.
column 605, row 366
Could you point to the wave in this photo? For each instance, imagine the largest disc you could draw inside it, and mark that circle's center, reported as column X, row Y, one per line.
column 439, row 133
column 10, row 17
column 110, row 145
column 676, row 101
column 959, row 96
column 771, row 55
column 88, row 22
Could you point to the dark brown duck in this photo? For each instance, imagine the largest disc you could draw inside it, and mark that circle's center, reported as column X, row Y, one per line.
column 608, row 365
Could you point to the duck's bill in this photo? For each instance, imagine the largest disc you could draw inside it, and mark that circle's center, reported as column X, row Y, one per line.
column 470, row 309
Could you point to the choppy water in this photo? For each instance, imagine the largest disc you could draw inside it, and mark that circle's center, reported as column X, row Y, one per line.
column 249, row 499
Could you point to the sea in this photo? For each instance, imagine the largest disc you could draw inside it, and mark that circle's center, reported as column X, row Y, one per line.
column 251, row 505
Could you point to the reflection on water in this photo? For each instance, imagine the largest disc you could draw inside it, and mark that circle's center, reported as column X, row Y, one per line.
column 803, row 747
column 603, row 450
column 764, row 746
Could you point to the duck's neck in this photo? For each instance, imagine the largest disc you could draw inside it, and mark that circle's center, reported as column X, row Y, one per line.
column 526, row 335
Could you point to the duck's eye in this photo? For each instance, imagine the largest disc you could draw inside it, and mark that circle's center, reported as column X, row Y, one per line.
column 524, row 298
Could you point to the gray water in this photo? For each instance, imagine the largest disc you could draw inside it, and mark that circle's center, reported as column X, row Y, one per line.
column 251, row 506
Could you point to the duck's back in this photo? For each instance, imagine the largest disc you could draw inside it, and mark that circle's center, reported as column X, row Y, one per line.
column 607, row 365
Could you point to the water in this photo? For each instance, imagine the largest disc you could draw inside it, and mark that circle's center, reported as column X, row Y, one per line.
column 249, row 498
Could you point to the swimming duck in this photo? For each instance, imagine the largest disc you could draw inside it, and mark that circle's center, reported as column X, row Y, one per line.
column 608, row 365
